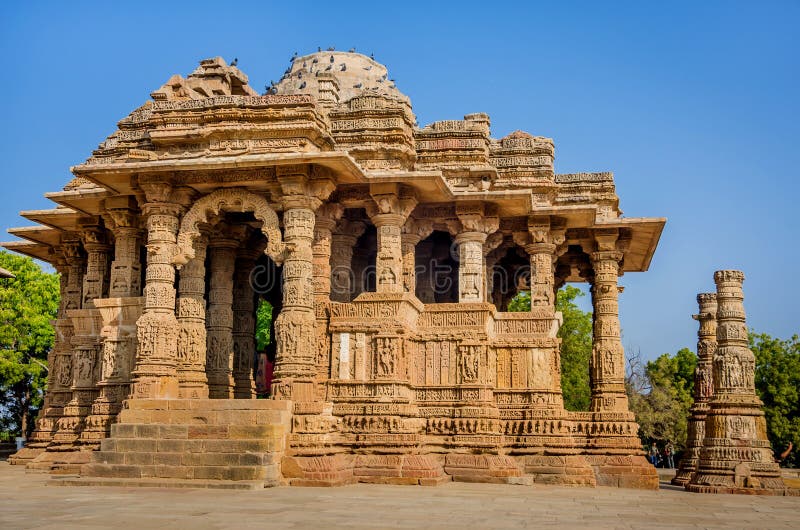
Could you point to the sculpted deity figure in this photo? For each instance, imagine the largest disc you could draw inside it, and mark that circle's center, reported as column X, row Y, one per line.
column 386, row 356
column 469, row 364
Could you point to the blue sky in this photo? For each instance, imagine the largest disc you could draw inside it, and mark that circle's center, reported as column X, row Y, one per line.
column 693, row 105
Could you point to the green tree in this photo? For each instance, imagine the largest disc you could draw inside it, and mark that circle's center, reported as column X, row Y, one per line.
column 660, row 394
column 777, row 380
column 263, row 324
column 576, row 344
column 27, row 304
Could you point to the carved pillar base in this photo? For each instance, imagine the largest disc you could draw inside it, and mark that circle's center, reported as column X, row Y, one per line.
column 87, row 341
column 59, row 394
column 119, row 348
column 155, row 376
column 370, row 368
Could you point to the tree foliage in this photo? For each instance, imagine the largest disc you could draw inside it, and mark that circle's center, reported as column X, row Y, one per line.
column 27, row 305
column 660, row 394
column 576, row 344
column 263, row 324
column 777, row 379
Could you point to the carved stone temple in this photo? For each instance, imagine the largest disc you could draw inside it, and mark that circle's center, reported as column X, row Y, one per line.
column 389, row 253
column 728, row 449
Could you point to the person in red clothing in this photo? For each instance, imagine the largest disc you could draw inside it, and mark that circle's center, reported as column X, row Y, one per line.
column 264, row 371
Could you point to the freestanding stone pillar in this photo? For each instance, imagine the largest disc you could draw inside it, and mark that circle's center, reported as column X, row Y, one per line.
column 155, row 374
column 703, row 386
column 219, row 361
column 736, row 456
column 192, row 340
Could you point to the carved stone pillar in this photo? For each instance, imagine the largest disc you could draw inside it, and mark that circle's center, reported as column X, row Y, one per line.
column 244, row 324
column 61, row 389
column 59, row 378
column 95, row 282
column 426, row 281
column 219, row 326
column 191, row 348
column 542, row 249
column 295, row 327
column 155, row 372
column 414, row 231
column 86, row 339
column 342, row 272
column 477, row 222
column 325, row 223
column 490, row 258
column 607, row 363
column 388, row 213
column 736, row 456
column 119, row 314
column 118, row 317
column 126, row 269
column 703, row 386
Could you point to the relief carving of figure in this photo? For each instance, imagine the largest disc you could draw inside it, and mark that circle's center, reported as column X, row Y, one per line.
column 469, row 364
column 65, row 371
column 387, row 276
column 386, row 357
column 108, row 367
column 85, row 367
column 704, row 382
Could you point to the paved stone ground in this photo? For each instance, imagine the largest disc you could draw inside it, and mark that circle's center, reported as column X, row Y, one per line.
column 27, row 502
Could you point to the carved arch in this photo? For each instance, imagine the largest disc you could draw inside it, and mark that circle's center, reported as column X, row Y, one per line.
column 229, row 200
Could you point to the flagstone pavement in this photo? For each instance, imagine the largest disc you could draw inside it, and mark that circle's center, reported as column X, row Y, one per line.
column 26, row 501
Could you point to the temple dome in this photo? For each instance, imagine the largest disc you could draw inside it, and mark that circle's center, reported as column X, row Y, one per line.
column 336, row 77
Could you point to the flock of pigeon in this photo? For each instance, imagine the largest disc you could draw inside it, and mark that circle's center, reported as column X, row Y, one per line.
column 272, row 87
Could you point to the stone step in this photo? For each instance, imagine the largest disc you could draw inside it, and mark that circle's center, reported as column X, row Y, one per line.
column 197, row 432
column 204, row 416
column 269, row 474
column 209, row 404
column 203, row 445
column 160, row 483
column 185, row 459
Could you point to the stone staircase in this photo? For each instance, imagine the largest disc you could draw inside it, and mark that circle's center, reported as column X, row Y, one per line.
column 217, row 443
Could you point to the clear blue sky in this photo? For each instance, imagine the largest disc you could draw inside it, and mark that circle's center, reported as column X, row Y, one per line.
column 694, row 107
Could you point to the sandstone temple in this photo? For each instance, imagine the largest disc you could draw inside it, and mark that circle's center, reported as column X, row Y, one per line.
column 388, row 252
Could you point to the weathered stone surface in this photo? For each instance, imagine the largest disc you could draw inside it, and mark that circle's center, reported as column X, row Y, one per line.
column 389, row 253
column 736, row 456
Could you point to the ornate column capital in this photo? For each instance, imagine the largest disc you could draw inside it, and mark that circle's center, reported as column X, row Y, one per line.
column 599, row 256
column 477, row 217
column 304, row 186
column 328, row 216
column 391, row 199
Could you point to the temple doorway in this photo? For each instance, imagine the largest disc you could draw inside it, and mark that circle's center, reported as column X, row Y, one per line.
column 266, row 282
